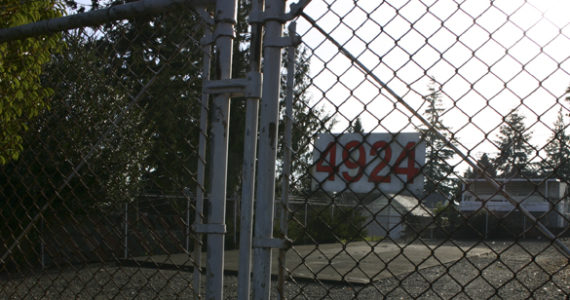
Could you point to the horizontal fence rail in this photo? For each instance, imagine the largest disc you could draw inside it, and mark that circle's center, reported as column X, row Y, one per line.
column 265, row 149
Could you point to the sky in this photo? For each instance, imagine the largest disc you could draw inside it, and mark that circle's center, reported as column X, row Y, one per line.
column 486, row 58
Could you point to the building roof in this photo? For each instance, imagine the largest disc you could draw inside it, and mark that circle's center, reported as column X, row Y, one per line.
column 404, row 204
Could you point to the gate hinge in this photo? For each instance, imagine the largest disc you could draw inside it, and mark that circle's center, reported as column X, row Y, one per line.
column 210, row 228
column 272, row 243
column 264, row 16
column 249, row 87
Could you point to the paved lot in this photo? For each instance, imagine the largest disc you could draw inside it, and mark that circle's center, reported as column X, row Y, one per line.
column 358, row 262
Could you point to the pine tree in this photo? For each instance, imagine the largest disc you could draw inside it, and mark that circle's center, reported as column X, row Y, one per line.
column 170, row 105
column 486, row 164
column 356, row 126
column 308, row 121
column 557, row 162
column 514, row 147
column 437, row 170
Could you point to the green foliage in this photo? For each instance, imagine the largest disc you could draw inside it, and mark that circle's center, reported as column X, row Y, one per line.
column 437, row 170
column 86, row 103
column 171, row 107
column 514, row 147
column 486, row 164
column 356, row 126
column 308, row 121
column 326, row 225
column 557, row 162
column 447, row 216
column 22, row 96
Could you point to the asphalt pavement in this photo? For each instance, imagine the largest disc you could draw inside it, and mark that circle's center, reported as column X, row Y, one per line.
column 357, row 262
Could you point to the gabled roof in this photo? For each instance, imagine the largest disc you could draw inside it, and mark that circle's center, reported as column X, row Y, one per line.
column 404, row 204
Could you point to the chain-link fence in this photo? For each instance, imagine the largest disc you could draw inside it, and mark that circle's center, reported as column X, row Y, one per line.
column 117, row 137
column 394, row 149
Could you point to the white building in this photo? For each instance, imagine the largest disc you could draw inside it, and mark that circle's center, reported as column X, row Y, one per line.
column 385, row 215
column 389, row 216
column 545, row 198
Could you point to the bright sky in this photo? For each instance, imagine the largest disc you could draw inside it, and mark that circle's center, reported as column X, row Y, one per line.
column 487, row 57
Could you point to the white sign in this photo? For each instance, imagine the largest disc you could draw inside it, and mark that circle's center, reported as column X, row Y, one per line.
column 388, row 162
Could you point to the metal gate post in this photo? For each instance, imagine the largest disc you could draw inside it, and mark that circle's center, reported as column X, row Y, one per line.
column 287, row 149
column 126, row 231
column 201, row 169
column 269, row 120
column 225, row 18
column 250, row 153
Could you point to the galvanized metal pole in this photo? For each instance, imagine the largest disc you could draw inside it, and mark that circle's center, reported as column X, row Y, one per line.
column 248, row 171
column 269, row 121
column 126, row 232
column 97, row 17
column 225, row 18
column 284, row 212
column 42, row 244
column 201, row 170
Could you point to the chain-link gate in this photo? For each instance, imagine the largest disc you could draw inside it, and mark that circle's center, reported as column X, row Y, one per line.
column 329, row 149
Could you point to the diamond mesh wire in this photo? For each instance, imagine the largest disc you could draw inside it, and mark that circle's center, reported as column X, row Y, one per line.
column 417, row 124
column 98, row 185
column 485, row 85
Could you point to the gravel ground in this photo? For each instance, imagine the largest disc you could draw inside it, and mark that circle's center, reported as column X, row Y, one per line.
column 510, row 271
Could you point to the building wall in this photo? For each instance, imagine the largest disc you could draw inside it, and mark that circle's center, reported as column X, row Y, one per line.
column 546, row 198
column 385, row 221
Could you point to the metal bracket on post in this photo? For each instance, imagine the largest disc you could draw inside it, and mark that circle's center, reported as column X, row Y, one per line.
column 249, row 87
column 207, row 39
column 206, row 17
column 264, row 16
column 296, row 8
column 282, row 42
column 272, row 243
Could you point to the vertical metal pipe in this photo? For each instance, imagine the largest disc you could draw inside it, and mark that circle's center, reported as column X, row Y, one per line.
column 306, row 208
column 524, row 226
column 389, row 227
column 269, row 121
column 284, row 215
column 486, row 222
column 248, row 170
column 235, row 216
column 126, row 232
column 201, row 171
column 187, row 226
column 42, row 244
column 225, row 18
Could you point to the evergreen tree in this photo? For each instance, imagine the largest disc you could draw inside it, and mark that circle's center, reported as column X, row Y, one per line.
column 162, row 55
column 356, row 126
column 486, row 164
column 557, row 162
column 514, row 147
column 85, row 103
column 437, row 170
column 308, row 121
column 136, row 49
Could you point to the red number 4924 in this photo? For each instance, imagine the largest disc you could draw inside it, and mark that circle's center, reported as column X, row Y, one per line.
column 354, row 157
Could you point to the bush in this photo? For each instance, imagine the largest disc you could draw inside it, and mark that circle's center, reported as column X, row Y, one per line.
column 325, row 226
